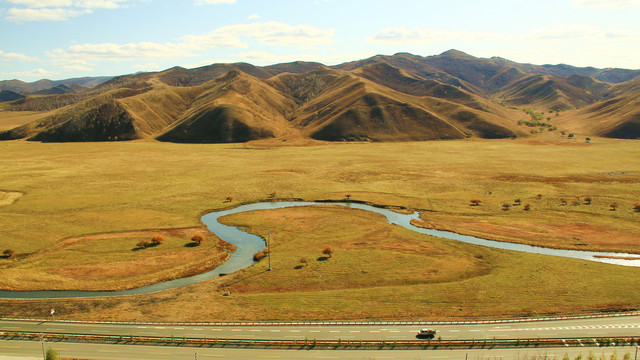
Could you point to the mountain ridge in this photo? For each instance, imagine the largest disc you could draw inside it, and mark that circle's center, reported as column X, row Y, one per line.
column 402, row 97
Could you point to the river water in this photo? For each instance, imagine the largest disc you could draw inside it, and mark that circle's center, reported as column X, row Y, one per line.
column 248, row 244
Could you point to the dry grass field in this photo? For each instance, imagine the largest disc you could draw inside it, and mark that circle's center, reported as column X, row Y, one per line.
column 86, row 205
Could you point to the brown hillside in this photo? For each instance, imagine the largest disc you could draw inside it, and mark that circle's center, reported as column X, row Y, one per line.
column 235, row 107
column 383, row 98
column 616, row 117
column 552, row 92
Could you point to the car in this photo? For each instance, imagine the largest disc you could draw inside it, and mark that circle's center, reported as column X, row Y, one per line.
column 426, row 333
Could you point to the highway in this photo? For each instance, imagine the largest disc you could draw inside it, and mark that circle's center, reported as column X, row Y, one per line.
column 32, row 350
column 574, row 328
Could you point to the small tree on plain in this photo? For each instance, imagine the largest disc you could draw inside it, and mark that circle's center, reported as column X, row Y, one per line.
column 143, row 244
column 539, row 196
column 527, row 207
column 157, row 239
column 636, row 207
column 613, row 206
column 348, row 196
column 9, row 253
column 259, row 256
column 563, row 201
column 328, row 251
column 517, row 201
column 475, row 202
column 587, row 140
column 229, row 198
column 587, row 200
column 52, row 354
column 304, row 261
column 505, row 206
column 197, row 239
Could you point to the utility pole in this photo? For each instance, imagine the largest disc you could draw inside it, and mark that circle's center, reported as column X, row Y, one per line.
column 44, row 356
column 269, row 247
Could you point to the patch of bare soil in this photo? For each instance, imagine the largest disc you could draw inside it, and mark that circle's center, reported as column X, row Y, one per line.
column 9, row 197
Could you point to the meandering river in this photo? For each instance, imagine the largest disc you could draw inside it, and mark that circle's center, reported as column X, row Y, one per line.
column 248, row 244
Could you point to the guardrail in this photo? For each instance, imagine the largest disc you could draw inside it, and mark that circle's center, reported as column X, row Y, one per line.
column 340, row 322
column 324, row 344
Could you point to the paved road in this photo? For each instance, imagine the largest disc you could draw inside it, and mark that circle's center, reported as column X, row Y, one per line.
column 576, row 328
column 32, row 350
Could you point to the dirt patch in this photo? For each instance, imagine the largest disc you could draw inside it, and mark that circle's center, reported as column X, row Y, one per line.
column 9, row 197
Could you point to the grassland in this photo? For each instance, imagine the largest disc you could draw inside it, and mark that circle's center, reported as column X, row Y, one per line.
column 85, row 206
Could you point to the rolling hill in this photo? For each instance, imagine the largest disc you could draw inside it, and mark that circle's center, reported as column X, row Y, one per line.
column 383, row 98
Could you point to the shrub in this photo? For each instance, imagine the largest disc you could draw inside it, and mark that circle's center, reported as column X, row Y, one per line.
column 587, row 200
column 9, row 253
column 563, row 201
column 143, row 244
column 304, row 261
column 52, row 354
column 587, row 140
column 229, row 198
column 505, row 206
column 157, row 239
column 259, row 256
column 328, row 251
column 575, row 202
column 197, row 239
column 613, row 206
column 348, row 196
column 517, row 202
column 636, row 207
column 475, row 202
column 527, row 207
column 272, row 195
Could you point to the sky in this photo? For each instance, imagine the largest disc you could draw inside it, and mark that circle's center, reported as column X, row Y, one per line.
column 61, row 39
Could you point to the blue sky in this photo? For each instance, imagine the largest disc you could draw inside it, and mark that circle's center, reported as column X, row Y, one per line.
column 59, row 39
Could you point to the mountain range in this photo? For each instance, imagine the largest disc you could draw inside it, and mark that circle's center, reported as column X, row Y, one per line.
column 403, row 97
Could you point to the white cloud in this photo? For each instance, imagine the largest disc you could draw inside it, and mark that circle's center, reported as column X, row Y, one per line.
column 254, row 17
column 42, row 3
column 280, row 34
column 118, row 52
column 36, row 73
column 609, row 4
column 85, row 4
column 15, row 56
column 43, row 14
column 56, row 10
column 590, row 33
column 214, row 2
column 147, row 67
column 403, row 35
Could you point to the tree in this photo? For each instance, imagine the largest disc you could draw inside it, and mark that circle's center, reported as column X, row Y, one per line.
column 563, row 201
column 516, row 202
column 229, row 198
column 348, row 196
column 570, row 136
column 539, row 196
column 587, row 140
column 613, row 206
column 9, row 253
column 143, row 244
column 197, row 239
column 328, row 251
column 527, row 207
column 259, row 256
column 475, row 202
column 52, row 354
column 636, row 207
column 157, row 240
column 587, row 200
column 505, row 206
column 304, row 261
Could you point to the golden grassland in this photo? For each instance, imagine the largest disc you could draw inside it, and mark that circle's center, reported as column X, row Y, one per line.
column 86, row 205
